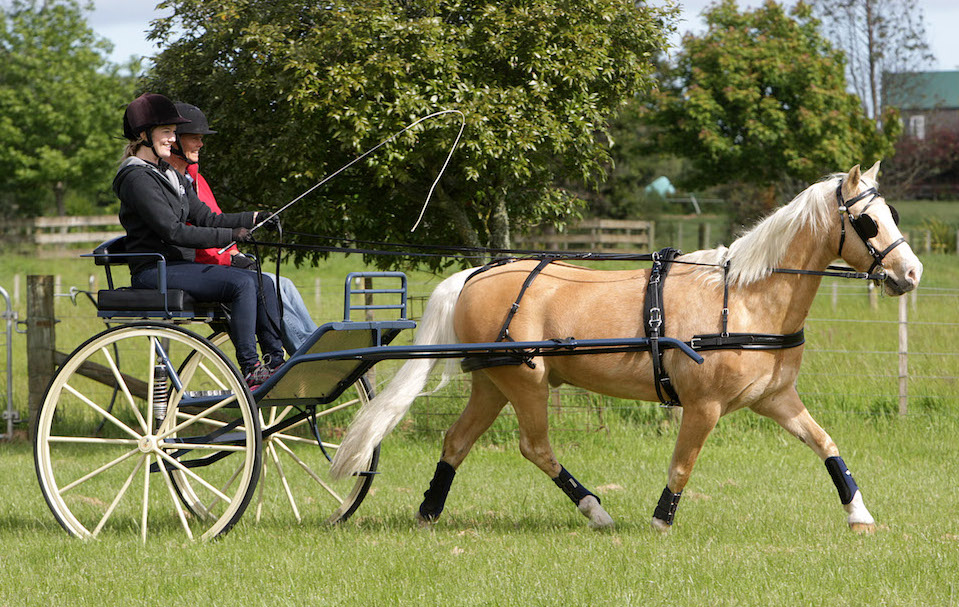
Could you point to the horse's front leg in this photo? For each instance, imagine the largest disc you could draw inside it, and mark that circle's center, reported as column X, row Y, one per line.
column 788, row 411
column 699, row 419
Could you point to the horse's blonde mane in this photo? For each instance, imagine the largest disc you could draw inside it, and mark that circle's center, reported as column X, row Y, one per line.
column 753, row 255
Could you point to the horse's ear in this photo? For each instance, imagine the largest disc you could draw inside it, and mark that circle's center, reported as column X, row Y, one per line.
column 850, row 185
column 873, row 173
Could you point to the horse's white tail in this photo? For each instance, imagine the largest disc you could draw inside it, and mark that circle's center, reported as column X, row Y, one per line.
column 378, row 417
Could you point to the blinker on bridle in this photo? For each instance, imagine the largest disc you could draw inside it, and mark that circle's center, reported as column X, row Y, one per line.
column 864, row 225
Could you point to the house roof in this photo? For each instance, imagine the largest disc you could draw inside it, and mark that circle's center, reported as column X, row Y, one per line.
column 922, row 90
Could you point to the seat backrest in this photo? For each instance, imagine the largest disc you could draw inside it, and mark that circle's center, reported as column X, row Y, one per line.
column 110, row 252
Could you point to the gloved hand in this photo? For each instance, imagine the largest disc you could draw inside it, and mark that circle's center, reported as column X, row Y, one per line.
column 272, row 224
column 243, row 262
column 242, row 235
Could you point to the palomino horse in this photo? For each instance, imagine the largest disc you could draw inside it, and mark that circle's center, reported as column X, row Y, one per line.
column 827, row 220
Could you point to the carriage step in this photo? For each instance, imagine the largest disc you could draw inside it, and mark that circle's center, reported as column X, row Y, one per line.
column 206, row 393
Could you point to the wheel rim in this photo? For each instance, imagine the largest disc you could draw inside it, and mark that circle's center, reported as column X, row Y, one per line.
column 122, row 477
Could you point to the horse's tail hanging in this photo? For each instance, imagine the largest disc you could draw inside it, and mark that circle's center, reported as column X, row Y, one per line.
column 379, row 416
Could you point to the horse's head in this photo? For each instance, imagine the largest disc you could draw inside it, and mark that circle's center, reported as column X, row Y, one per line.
column 869, row 238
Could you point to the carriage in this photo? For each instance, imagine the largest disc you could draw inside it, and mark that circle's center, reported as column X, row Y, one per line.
column 151, row 402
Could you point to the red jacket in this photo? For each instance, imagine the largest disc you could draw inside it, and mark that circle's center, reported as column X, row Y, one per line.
column 205, row 194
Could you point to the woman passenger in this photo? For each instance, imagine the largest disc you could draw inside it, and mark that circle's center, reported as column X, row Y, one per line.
column 162, row 214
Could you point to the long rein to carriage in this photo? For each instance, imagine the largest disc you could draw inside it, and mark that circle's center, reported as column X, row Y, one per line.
column 199, row 427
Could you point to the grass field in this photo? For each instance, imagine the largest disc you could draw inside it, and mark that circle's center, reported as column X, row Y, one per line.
column 760, row 522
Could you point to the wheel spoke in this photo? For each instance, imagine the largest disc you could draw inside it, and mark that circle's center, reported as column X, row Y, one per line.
column 226, row 487
column 120, row 494
column 195, row 477
column 286, row 483
column 146, row 503
column 309, row 471
column 124, row 388
column 99, row 470
column 93, row 441
column 202, row 446
column 193, row 418
column 102, row 411
column 304, row 440
column 259, row 497
column 173, row 496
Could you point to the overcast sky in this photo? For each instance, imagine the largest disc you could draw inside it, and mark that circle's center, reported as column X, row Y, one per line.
column 125, row 22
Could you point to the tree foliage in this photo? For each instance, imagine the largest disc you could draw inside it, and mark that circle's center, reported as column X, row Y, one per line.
column 59, row 103
column 761, row 98
column 297, row 88
column 877, row 36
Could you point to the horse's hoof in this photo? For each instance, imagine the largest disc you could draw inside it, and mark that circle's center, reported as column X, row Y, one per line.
column 660, row 525
column 423, row 522
column 863, row 528
column 597, row 515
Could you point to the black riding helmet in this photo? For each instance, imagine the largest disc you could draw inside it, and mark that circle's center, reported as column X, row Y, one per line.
column 196, row 124
column 146, row 112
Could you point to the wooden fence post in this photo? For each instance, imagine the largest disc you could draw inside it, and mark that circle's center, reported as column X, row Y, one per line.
column 704, row 238
column 41, row 341
column 903, row 356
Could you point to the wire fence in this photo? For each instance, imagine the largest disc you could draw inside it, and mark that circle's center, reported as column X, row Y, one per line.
column 853, row 361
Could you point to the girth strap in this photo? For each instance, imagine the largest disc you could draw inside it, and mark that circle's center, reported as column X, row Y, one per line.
column 653, row 319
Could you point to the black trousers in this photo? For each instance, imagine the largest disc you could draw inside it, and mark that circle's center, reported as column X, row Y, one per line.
column 254, row 313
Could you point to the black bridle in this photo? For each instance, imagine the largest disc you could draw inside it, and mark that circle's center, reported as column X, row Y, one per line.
column 864, row 225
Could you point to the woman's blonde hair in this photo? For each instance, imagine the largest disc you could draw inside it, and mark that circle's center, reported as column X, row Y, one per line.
column 133, row 146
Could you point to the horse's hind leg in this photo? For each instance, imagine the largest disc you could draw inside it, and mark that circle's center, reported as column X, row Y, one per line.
column 788, row 411
column 529, row 400
column 485, row 403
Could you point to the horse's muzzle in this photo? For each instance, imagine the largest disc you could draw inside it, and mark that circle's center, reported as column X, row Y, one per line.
column 908, row 281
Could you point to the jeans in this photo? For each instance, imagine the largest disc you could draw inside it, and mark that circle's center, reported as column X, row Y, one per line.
column 253, row 312
column 297, row 323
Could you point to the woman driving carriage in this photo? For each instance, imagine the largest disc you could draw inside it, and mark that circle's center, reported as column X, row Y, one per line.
column 161, row 213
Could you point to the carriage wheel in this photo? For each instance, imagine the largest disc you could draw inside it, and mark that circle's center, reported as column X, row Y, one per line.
column 121, row 478
column 297, row 459
column 295, row 475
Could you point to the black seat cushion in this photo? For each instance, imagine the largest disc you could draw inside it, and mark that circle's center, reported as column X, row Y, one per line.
column 126, row 298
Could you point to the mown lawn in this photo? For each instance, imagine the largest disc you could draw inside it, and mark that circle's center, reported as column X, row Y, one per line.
column 760, row 524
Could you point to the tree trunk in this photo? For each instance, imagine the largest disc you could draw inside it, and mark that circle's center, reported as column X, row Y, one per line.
column 59, row 193
column 461, row 222
column 499, row 226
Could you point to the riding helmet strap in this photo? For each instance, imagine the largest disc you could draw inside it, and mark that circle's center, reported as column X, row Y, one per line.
column 653, row 319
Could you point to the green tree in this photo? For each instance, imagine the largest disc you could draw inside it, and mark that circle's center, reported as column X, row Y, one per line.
column 297, row 88
column 760, row 98
column 60, row 100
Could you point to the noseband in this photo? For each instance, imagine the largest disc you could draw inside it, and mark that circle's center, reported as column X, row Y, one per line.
column 864, row 225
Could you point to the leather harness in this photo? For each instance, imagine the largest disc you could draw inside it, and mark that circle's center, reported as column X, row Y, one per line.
column 654, row 314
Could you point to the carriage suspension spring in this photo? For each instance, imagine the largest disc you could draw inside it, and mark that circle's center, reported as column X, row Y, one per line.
column 160, row 392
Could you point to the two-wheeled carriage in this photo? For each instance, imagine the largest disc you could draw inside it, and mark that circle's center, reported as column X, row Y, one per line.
column 150, row 403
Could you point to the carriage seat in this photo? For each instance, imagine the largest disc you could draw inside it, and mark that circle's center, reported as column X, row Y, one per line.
column 128, row 302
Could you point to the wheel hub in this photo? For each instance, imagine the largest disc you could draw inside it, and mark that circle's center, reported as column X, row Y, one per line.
column 147, row 444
